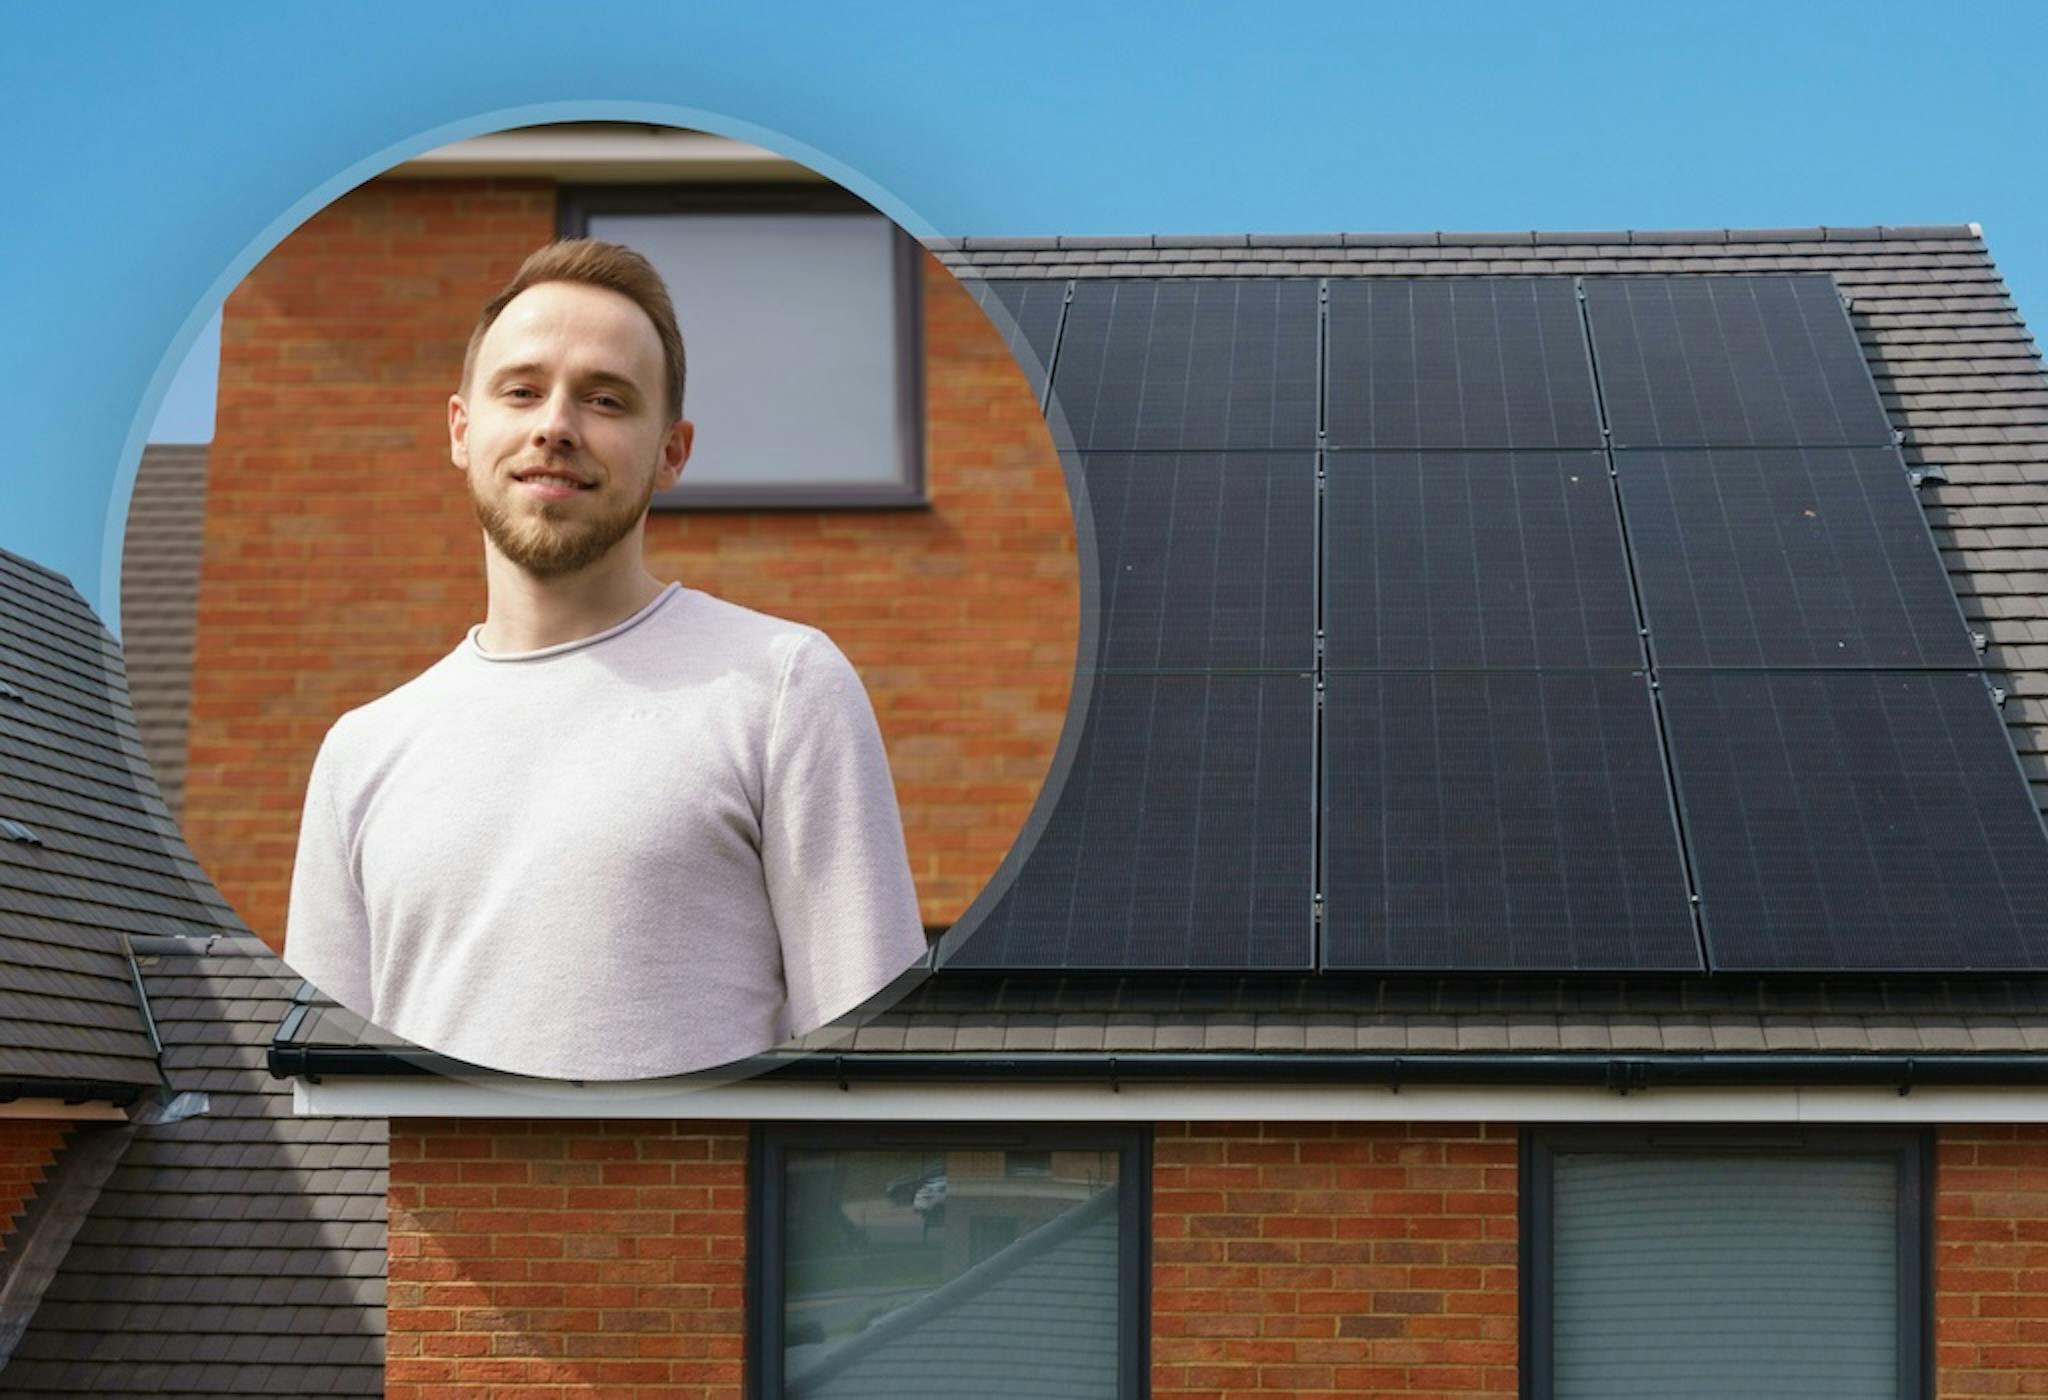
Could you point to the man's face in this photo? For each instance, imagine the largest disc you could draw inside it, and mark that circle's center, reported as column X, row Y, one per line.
column 563, row 431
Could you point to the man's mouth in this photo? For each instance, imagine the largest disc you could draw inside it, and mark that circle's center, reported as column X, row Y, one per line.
column 552, row 481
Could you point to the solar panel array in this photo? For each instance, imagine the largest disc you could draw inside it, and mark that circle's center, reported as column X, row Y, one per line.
column 1505, row 624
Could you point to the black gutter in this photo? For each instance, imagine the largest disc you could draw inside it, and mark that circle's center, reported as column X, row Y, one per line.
column 1620, row 1073
column 75, row 1091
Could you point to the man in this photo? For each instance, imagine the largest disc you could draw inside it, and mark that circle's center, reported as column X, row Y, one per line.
column 624, row 829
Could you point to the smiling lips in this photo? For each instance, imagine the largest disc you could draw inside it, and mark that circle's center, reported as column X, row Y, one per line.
column 552, row 483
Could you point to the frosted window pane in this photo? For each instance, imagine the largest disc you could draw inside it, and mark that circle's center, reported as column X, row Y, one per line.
column 1725, row 1276
column 938, row 1275
column 791, row 329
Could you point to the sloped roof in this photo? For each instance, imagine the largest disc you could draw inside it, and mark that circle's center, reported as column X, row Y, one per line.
column 235, row 1249
column 1450, row 1016
column 103, row 859
column 239, row 1251
column 160, row 603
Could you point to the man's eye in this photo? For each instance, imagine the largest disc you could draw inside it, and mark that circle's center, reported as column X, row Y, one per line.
column 520, row 391
column 608, row 401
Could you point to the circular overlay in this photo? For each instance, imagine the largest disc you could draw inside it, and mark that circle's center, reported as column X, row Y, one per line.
column 520, row 832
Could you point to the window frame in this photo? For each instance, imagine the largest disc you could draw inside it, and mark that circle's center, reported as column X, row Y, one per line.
column 767, row 1156
column 1912, row 1154
column 576, row 204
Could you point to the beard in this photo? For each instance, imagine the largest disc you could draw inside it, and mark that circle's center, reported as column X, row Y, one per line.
column 549, row 539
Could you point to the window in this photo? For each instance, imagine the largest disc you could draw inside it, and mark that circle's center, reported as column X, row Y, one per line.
column 917, row 1262
column 802, row 332
column 1725, row 1261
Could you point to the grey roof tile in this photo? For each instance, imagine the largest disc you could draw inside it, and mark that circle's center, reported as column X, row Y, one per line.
column 193, row 1278
column 1295, row 240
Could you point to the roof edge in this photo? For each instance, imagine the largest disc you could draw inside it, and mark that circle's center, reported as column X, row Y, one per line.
column 1611, row 1070
column 1820, row 233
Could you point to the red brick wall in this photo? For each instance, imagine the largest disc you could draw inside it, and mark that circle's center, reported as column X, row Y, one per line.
column 567, row 1258
column 1991, row 1260
column 340, row 557
column 1308, row 1259
column 1288, row 1259
column 28, row 1149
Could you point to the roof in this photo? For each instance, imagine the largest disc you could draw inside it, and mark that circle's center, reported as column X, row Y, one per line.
column 236, row 1251
column 160, row 602
column 1959, row 376
column 101, row 858
column 213, row 1243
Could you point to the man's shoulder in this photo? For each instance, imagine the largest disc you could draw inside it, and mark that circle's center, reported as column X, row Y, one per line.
column 745, row 631
column 395, row 707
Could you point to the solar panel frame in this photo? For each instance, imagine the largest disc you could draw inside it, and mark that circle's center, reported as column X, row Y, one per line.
column 1204, row 561
column 1452, row 561
column 1027, row 312
column 1811, row 557
column 1245, row 375
column 1856, row 821
column 1182, row 839
column 1550, row 845
column 1471, row 364
column 1731, row 361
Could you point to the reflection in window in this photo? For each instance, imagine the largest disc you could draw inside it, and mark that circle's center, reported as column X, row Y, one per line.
column 962, row 1272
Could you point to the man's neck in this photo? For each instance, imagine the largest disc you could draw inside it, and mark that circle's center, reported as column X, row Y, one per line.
column 526, row 613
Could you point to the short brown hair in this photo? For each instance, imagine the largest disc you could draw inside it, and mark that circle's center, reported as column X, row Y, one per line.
column 595, row 264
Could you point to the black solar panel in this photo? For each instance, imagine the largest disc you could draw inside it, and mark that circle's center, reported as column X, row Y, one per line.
column 1028, row 315
column 1796, row 557
column 1499, row 822
column 1182, row 838
column 1206, row 561
column 1203, row 366
column 1446, row 560
column 1471, row 363
column 1731, row 362
column 1856, row 820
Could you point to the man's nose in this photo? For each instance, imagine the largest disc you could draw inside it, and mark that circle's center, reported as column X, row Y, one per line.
column 557, row 424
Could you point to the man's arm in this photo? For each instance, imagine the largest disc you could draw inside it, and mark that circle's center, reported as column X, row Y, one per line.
column 327, row 928
column 832, row 842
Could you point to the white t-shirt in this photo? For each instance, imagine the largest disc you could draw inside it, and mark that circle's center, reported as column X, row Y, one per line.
column 660, row 848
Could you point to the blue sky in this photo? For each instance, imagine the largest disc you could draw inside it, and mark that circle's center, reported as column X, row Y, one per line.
column 167, row 151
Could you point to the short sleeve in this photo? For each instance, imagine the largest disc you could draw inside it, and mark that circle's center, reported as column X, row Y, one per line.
column 327, row 926
column 832, row 847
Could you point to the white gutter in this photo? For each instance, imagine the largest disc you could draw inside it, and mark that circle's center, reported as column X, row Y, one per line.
column 428, row 1097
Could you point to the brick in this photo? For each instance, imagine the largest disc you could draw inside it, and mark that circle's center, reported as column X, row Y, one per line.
column 1321, row 1220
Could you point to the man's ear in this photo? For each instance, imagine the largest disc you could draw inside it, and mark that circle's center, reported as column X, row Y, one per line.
column 675, row 451
column 458, row 432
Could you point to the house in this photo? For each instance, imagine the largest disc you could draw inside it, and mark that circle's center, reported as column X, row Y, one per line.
column 1415, row 1176
column 172, row 1227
